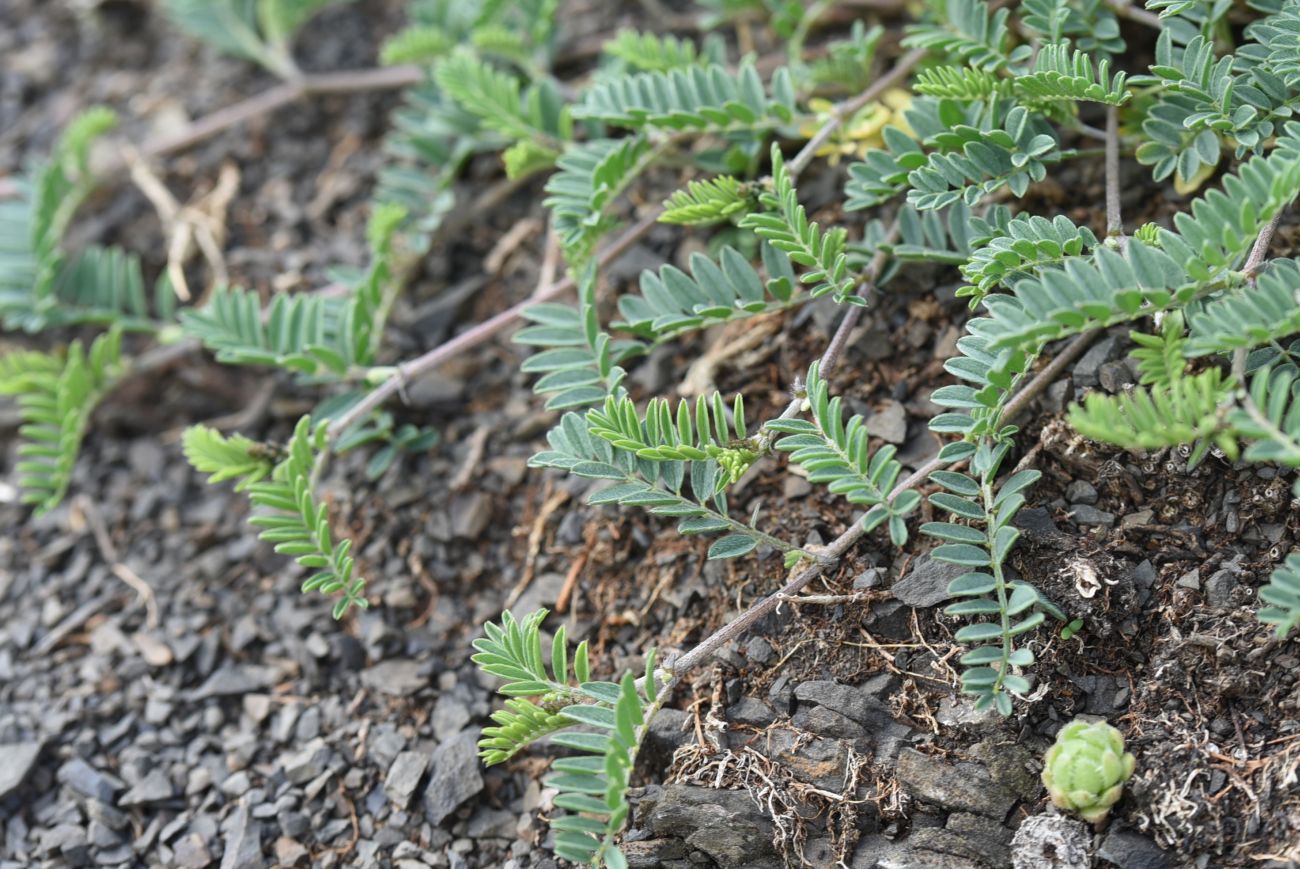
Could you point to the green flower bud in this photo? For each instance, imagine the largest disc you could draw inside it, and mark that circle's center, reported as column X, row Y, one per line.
column 1086, row 769
column 735, row 461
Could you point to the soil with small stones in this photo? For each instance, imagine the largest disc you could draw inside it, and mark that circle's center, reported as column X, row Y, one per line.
column 226, row 720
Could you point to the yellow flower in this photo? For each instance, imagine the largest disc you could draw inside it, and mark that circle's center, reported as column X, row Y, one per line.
column 860, row 132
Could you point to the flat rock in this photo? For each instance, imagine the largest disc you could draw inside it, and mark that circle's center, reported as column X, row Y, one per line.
column 795, row 486
column 927, row 583
column 455, row 776
column 935, row 846
column 817, row 760
column 543, row 591
column 980, row 838
column 915, row 852
column 289, row 852
column 88, row 781
column 233, row 681
column 155, row 652
column 16, row 761
column 1011, row 765
column 307, row 763
column 1129, row 850
column 956, row 787
column 243, row 849
column 470, row 515
column 653, row 853
column 1084, row 514
column 1114, row 376
column 64, row 839
column 154, row 788
column 1086, row 370
column 669, row 730
column 404, row 777
column 492, row 823
column 400, row 678
column 1081, row 492
column 192, row 852
column 960, row 711
column 726, row 825
column 852, row 703
column 1220, row 584
column 750, row 711
column 889, row 423
column 450, row 714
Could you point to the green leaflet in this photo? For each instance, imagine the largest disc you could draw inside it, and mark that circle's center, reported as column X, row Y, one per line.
column 288, row 514
column 548, row 698
column 57, row 393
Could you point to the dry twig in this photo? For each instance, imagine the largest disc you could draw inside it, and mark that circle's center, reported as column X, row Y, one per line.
column 107, row 551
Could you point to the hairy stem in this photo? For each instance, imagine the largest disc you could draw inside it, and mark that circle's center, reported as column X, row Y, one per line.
column 1126, row 9
column 1254, row 261
column 999, row 580
column 1260, row 248
column 314, row 84
column 476, row 335
column 848, row 108
column 1114, row 219
column 831, row 356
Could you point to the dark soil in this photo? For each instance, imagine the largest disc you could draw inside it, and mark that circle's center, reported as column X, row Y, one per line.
column 245, row 728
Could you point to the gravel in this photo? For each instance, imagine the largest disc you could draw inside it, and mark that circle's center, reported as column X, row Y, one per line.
column 243, row 841
column 1131, row 850
column 727, row 825
column 88, row 781
column 889, row 423
column 964, row 787
column 16, row 762
column 927, row 583
column 404, row 777
column 455, row 776
column 1086, row 370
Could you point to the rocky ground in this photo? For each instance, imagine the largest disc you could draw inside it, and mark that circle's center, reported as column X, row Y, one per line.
column 225, row 720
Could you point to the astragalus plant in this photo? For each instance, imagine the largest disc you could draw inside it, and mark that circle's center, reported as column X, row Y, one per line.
column 992, row 100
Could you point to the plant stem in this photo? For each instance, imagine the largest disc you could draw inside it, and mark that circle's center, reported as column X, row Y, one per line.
column 314, row 84
column 421, row 365
column 1114, row 217
column 1251, row 267
column 1126, row 9
column 999, row 580
column 794, row 47
column 848, row 108
column 1114, row 221
column 470, row 338
column 1260, row 248
column 831, row 355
